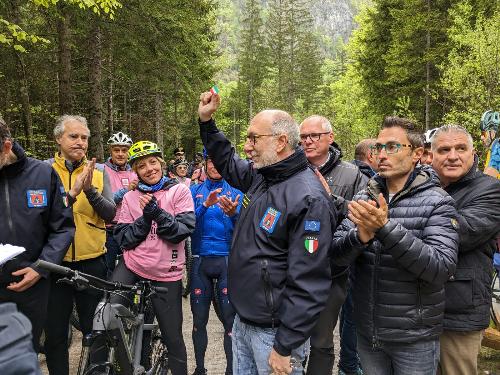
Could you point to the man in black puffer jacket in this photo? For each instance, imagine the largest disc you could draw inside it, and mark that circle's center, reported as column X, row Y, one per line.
column 278, row 275
column 405, row 251
column 468, row 291
column 344, row 180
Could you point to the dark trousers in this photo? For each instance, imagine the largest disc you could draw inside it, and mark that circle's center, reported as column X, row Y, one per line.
column 168, row 311
column 348, row 359
column 61, row 300
column 208, row 271
column 113, row 250
column 322, row 357
column 32, row 303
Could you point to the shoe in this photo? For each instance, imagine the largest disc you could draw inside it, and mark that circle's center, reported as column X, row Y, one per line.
column 200, row 372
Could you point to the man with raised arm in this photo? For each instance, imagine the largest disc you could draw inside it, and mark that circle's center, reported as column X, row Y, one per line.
column 279, row 274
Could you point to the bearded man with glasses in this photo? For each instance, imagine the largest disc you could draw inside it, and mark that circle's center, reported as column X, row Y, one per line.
column 343, row 180
column 402, row 235
column 278, row 278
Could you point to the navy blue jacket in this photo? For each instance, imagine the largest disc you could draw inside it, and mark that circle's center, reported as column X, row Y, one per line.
column 279, row 272
column 34, row 214
column 468, row 291
column 399, row 289
column 214, row 229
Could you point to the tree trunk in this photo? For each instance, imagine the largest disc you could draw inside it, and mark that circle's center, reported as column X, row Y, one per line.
column 159, row 119
column 23, row 87
column 64, row 61
column 428, row 71
column 110, row 96
column 95, row 76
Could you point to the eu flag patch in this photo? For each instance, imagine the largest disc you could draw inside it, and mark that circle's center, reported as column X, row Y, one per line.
column 312, row 226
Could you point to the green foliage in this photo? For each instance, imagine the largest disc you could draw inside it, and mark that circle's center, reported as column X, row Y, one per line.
column 471, row 75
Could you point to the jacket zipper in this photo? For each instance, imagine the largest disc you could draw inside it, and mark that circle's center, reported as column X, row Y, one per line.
column 375, row 343
column 73, row 250
column 7, row 201
column 268, row 289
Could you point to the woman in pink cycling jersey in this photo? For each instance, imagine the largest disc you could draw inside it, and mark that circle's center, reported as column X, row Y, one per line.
column 155, row 220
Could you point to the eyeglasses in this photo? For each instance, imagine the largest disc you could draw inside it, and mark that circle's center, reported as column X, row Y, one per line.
column 252, row 138
column 389, row 147
column 314, row 137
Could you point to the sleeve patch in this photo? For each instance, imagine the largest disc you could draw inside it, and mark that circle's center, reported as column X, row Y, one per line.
column 312, row 226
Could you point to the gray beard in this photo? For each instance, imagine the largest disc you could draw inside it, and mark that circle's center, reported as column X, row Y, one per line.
column 266, row 159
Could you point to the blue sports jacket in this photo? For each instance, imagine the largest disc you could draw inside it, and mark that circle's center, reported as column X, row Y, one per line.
column 214, row 229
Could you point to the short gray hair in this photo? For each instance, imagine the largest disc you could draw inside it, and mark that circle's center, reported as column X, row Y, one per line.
column 61, row 120
column 325, row 123
column 283, row 123
column 451, row 128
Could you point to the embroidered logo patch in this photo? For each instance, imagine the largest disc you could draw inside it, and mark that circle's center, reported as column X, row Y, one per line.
column 37, row 198
column 454, row 223
column 270, row 219
column 311, row 244
column 224, row 291
column 312, row 226
column 64, row 196
column 197, row 291
column 125, row 182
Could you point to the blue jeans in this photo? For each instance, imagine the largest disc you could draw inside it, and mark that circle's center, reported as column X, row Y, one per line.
column 396, row 358
column 252, row 346
column 348, row 358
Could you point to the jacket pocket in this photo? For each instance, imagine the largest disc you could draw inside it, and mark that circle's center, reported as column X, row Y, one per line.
column 459, row 291
column 268, row 287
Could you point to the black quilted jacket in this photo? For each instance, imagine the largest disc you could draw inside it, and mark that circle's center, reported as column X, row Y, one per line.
column 399, row 288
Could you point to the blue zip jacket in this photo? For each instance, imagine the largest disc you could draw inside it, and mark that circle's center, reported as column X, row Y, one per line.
column 214, row 229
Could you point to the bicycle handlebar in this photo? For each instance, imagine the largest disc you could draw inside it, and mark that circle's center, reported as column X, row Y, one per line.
column 93, row 280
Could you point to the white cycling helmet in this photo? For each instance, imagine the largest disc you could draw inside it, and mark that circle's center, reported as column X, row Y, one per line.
column 120, row 139
column 428, row 135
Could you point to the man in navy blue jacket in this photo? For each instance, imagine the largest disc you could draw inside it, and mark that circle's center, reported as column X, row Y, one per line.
column 34, row 216
column 279, row 274
column 217, row 206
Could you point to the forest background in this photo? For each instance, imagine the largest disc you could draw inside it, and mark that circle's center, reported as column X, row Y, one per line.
column 139, row 66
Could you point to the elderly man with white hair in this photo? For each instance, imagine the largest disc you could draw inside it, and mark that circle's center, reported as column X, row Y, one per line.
column 278, row 277
column 88, row 191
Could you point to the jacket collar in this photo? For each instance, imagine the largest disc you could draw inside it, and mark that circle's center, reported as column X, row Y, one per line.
column 212, row 185
column 333, row 160
column 285, row 168
column 16, row 167
column 66, row 164
column 422, row 177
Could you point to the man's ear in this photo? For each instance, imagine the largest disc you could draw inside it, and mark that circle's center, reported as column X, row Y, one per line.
column 7, row 147
column 282, row 143
column 417, row 154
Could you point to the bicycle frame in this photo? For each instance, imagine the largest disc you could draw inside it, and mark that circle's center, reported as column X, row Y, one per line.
column 111, row 317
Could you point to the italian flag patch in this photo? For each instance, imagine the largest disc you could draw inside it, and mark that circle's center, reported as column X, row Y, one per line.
column 311, row 244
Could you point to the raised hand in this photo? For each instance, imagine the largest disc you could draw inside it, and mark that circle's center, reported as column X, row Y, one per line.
column 87, row 183
column 228, row 206
column 208, row 105
column 212, row 198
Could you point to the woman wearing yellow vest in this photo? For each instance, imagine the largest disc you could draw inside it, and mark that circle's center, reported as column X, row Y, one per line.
column 88, row 191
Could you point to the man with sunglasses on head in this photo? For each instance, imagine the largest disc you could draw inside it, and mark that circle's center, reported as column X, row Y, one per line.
column 344, row 180
column 402, row 234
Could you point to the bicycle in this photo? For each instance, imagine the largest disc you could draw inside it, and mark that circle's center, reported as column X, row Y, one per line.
column 117, row 329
